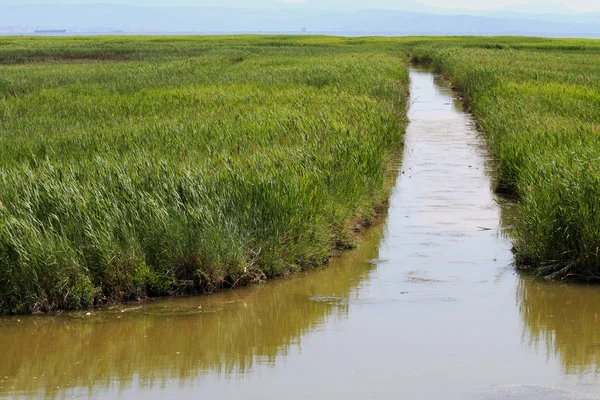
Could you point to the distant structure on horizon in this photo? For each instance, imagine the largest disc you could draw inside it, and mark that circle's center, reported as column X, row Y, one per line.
column 50, row 31
column 304, row 30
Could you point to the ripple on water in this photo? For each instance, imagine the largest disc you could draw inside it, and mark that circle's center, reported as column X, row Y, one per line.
column 421, row 277
column 525, row 392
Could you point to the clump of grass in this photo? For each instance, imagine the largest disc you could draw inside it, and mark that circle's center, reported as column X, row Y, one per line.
column 185, row 164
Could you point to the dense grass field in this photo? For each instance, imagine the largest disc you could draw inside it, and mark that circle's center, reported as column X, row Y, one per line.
column 147, row 166
column 538, row 101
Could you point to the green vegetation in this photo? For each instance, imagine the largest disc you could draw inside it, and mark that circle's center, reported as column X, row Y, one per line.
column 145, row 166
column 538, row 101
column 154, row 165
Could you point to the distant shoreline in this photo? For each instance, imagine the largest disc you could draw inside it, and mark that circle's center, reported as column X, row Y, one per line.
column 335, row 33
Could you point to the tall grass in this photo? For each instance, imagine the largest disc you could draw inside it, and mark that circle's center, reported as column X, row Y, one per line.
column 148, row 166
column 154, row 165
column 538, row 101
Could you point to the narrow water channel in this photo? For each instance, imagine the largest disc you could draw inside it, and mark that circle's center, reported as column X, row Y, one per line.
column 429, row 307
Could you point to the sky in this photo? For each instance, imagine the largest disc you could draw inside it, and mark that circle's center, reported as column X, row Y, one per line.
column 575, row 5
column 338, row 5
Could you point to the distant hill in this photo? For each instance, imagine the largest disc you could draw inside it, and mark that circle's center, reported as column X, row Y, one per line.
column 537, row 7
column 420, row 23
column 588, row 18
column 417, row 19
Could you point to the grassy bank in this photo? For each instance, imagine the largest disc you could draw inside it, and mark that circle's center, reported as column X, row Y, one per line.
column 147, row 166
column 538, row 100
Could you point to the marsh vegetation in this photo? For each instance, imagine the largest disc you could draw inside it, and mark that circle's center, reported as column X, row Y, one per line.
column 148, row 166
column 135, row 167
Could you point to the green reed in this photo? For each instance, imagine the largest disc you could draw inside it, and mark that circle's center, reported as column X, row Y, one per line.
column 148, row 166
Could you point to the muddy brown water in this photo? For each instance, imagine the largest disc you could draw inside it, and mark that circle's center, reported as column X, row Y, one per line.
column 429, row 307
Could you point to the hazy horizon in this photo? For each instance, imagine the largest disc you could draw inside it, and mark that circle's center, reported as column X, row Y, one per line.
column 397, row 17
column 475, row 6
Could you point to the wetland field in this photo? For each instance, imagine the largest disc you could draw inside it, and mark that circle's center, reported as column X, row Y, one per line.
column 155, row 166
column 151, row 166
column 537, row 102
column 430, row 207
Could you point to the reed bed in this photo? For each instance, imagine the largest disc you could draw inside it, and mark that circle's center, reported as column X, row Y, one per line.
column 148, row 166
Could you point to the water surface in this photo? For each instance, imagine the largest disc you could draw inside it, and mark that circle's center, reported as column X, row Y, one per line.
column 429, row 307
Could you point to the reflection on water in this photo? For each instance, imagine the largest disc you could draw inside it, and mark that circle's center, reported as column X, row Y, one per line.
column 425, row 309
column 181, row 339
column 564, row 320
